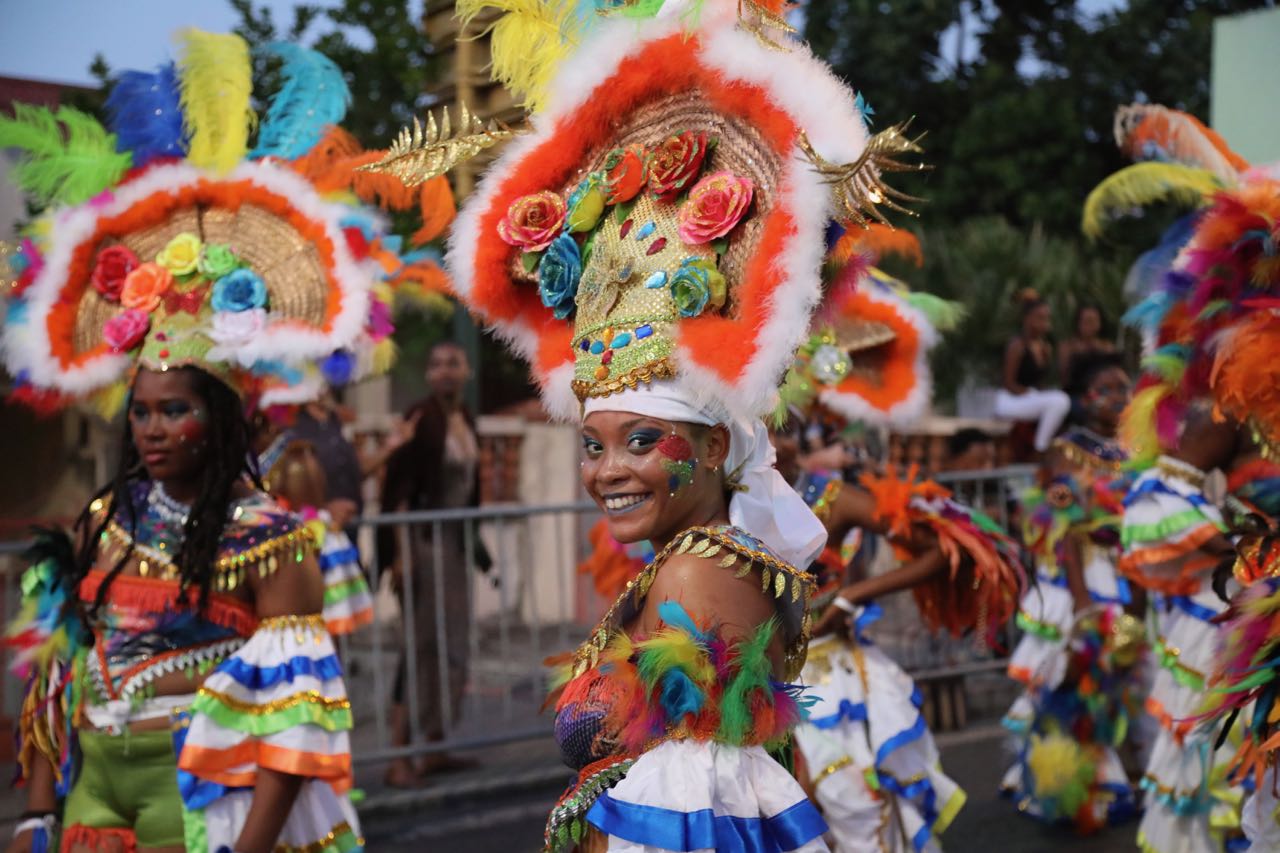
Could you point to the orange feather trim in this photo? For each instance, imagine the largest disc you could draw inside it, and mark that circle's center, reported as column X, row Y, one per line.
column 878, row 240
column 896, row 375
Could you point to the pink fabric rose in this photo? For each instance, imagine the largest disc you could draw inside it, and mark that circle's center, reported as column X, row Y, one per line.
column 232, row 328
column 715, row 205
column 113, row 265
column 126, row 330
column 533, row 221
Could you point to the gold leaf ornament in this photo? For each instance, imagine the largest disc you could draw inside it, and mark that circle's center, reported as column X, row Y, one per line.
column 420, row 154
column 761, row 23
column 858, row 188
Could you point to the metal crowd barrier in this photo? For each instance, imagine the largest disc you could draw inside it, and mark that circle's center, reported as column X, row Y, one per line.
column 531, row 605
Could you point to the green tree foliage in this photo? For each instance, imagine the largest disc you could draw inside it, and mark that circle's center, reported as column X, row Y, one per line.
column 1017, row 98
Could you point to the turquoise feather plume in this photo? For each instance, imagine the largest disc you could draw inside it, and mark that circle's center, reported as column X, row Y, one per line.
column 313, row 96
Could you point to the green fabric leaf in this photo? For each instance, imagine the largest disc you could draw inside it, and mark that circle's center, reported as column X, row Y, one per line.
column 530, row 261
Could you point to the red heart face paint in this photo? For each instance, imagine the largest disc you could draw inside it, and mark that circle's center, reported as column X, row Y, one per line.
column 169, row 423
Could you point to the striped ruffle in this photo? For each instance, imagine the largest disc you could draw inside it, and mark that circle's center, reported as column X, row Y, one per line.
column 347, row 601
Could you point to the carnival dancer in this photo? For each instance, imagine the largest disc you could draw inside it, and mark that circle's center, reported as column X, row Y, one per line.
column 865, row 754
column 183, row 691
column 1232, row 256
column 292, row 475
column 653, row 248
column 1081, row 643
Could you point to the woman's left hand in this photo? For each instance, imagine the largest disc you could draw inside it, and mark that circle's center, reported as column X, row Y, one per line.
column 832, row 621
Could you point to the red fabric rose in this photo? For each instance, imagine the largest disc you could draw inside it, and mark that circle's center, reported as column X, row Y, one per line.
column 715, row 205
column 113, row 265
column 627, row 173
column 675, row 163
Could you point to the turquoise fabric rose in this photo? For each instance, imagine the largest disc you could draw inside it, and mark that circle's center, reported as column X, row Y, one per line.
column 239, row 290
column 695, row 284
column 558, row 276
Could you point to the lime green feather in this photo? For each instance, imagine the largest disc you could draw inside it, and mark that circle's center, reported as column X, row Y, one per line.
column 942, row 314
column 752, row 675
column 67, row 156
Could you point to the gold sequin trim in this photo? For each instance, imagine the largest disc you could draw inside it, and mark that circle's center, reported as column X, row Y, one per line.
column 313, row 697
column 646, row 373
column 822, row 506
column 312, row 621
column 1081, row 458
column 321, row 845
column 832, row 768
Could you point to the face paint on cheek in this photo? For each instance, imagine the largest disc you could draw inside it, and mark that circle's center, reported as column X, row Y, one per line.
column 678, row 461
column 193, row 429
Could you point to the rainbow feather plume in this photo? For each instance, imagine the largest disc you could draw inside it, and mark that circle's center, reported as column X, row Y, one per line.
column 313, row 96
column 216, row 81
column 66, row 157
column 144, row 113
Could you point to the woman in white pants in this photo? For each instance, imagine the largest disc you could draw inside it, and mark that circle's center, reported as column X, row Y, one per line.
column 1026, row 366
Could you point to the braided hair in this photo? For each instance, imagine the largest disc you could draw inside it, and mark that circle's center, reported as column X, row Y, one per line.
column 229, row 460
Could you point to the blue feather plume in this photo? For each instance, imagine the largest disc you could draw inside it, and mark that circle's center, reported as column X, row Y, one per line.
column 312, row 96
column 144, row 113
column 1146, row 273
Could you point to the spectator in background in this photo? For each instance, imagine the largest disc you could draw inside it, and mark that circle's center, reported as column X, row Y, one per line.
column 971, row 449
column 437, row 468
column 1087, row 338
column 1027, row 360
column 320, row 425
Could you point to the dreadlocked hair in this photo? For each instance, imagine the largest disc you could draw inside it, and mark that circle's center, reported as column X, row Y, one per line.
column 228, row 460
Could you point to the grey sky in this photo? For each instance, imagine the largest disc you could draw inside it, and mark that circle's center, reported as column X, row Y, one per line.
column 57, row 39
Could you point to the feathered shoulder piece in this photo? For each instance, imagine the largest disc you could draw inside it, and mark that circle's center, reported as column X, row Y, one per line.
column 174, row 236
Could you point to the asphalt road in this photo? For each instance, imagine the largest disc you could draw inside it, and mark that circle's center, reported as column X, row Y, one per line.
column 975, row 758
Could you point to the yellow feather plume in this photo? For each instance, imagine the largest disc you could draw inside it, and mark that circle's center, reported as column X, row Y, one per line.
column 384, row 356
column 1142, row 184
column 528, row 42
column 216, row 82
column 110, row 400
column 1138, row 423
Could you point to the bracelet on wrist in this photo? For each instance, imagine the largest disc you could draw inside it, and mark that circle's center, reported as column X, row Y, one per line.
column 47, row 822
column 845, row 604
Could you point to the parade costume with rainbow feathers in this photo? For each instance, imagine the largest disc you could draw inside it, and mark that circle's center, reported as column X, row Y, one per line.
column 170, row 246
column 653, row 245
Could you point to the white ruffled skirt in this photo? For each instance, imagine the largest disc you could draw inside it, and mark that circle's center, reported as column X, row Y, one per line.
column 703, row 796
column 1189, row 806
column 871, row 758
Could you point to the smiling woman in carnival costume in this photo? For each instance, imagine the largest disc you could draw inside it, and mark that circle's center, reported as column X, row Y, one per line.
column 183, row 692
column 865, row 754
column 1079, row 648
column 653, row 249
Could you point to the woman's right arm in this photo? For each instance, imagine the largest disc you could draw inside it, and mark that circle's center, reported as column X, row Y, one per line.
column 1012, row 356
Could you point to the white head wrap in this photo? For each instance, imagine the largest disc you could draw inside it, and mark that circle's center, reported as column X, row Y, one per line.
column 763, row 504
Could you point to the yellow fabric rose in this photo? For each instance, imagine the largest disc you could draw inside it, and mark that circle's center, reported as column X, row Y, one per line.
column 586, row 204
column 182, row 255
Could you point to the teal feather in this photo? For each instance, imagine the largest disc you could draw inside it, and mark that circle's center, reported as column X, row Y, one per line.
column 673, row 614
column 67, row 157
column 313, row 96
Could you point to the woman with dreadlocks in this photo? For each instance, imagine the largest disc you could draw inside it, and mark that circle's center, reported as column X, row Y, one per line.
column 183, row 691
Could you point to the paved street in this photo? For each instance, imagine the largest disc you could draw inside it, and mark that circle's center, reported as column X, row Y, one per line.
column 513, row 823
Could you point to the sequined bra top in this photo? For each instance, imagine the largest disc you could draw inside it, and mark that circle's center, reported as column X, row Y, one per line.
column 145, row 628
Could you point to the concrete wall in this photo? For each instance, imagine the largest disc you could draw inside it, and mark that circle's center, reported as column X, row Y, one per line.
column 1246, row 66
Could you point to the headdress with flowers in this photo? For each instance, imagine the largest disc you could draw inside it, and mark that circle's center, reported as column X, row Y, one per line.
column 866, row 358
column 168, row 241
column 665, row 217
